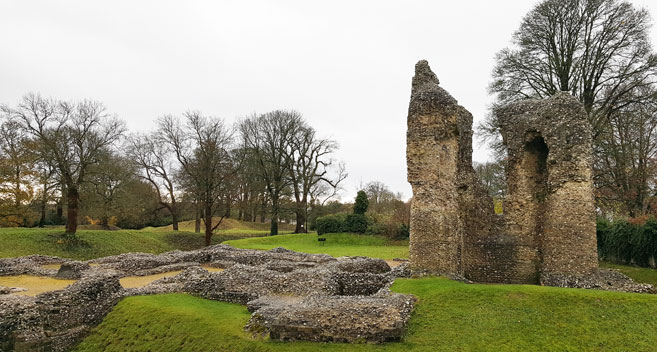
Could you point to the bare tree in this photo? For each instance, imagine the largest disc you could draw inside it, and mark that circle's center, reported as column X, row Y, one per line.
column 71, row 136
column 380, row 196
column 627, row 159
column 45, row 173
column 106, row 181
column 492, row 177
column 152, row 155
column 270, row 138
column 598, row 50
column 311, row 165
column 203, row 147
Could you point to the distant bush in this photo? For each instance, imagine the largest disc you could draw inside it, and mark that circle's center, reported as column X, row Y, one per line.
column 404, row 231
column 628, row 242
column 330, row 224
column 356, row 223
column 376, row 228
column 361, row 204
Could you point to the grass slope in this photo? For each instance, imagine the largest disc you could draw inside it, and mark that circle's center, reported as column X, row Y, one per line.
column 450, row 316
column 99, row 243
column 337, row 244
column 229, row 227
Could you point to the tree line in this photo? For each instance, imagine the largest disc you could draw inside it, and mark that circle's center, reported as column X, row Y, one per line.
column 75, row 158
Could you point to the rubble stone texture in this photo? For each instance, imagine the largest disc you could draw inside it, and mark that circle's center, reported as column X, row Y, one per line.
column 312, row 297
column 549, row 221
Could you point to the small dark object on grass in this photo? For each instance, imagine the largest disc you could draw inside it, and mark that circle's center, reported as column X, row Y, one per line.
column 321, row 240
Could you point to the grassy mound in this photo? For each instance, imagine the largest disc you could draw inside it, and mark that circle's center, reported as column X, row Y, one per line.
column 450, row 316
column 337, row 244
column 98, row 243
column 229, row 226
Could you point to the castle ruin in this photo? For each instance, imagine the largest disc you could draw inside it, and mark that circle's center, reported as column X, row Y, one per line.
column 548, row 226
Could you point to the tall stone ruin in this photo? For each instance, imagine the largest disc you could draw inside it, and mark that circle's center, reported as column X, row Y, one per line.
column 549, row 221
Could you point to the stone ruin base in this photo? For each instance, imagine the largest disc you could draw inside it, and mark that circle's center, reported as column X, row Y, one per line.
column 600, row 279
column 293, row 296
column 314, row 318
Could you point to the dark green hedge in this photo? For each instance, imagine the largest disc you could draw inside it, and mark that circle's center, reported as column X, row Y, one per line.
column 356, row 223
column 627, row 243
column 330, row 223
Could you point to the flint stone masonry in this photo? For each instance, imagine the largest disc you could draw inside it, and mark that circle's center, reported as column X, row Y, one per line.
column 550, row 208
column 72, row 270
column 378, row 318
column 548, row 225
column 339, row 287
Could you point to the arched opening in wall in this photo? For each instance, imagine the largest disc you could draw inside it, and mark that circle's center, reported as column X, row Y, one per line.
column 536, row 171
column 536, row 154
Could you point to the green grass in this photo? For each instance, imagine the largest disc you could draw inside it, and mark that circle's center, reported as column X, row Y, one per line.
column 337, row 244
column 98, row 243
column 450, row 316
column 638, row 274
column 230, row 227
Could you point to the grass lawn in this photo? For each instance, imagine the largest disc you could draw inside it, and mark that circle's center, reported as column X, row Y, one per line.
column 450, row 316
column 337, row 244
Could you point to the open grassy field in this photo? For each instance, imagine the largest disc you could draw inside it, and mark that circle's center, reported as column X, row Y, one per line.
column 450, row 316
column 337, row 244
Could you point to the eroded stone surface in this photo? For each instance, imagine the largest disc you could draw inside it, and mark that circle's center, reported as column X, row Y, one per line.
column 72, row 270
column 599, row 279
column 451, row 214
column 56, row 320
column 378, row 318
column 548, row 226
column 550, row 207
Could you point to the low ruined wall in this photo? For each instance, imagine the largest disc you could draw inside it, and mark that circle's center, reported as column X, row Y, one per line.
column 57, row 320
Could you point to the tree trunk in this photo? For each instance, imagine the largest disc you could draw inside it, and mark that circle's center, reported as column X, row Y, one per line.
column 17, row 188
column 44, row 201
column 301, row 220
column 274, row 215
column 197, row 222
column 208, row 225
column 262, row 213
column 42, row 221
column 174, row 217
column 227, row 213
column 60, row 211
column 73, row 198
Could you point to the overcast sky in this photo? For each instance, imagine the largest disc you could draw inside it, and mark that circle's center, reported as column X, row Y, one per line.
column 345, row 65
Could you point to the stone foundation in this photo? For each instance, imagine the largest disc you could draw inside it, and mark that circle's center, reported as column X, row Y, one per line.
column 319, row 291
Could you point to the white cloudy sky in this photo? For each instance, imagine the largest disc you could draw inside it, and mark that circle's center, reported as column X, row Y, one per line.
column 346, row 65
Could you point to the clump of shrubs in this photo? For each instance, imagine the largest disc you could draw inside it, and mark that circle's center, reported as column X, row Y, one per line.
column 356, row 222
column 628, row 242
column 373, row 224
column 330, row 224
